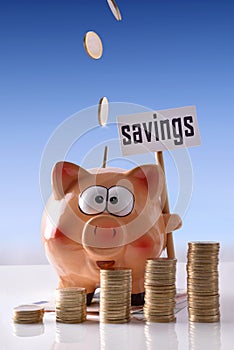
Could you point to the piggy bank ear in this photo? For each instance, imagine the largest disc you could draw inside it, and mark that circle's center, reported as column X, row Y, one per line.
column 64, row 175
column 151, row 176
column 172, row 222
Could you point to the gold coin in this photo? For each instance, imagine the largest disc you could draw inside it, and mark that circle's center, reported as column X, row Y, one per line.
column 202, row 272
column 199, row 261
column 202, row 286
column 93, row 45
column 204, row 244
column 200, row 281
column 70, row 291
column 114, row 9
column 203, row 306
column 202, row 299
column 103, row 111
column 159, row 306
column 28, row 308
column 158, row 284
column 151, row 305
column 117, row 269
column 159, row 271
column 113, row 278
column 160, row 319
column 112, row 274
column 204, row 311
column 208, row 298
column 106, row 320
column 199, row 313
column 161, row 276
column 203, row 252
column 161, row 297
column 159, row 314
column 211, row 267
column 161, row 261
column 160, row 287
column 204, row 319
column 162, row 311
column 201, row 294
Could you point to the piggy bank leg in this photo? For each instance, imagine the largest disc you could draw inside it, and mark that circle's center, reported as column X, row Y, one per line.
column 138, row 299
column 89, row 298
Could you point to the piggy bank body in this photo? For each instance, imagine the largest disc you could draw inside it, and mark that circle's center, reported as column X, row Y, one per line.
column 104, row 218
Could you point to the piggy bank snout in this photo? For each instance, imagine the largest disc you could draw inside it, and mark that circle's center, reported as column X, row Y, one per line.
column 104, row 221
column 103, row 231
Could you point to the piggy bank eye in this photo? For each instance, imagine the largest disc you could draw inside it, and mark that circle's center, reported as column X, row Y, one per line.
column 93, row 200
column 120, row 201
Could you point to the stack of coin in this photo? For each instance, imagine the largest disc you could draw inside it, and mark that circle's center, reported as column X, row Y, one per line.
column 203, row 282
column 71, row 305
column 160, row 290
column 115, row 298
column 27, row 314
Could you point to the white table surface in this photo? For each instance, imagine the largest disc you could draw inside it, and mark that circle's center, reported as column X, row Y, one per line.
column 26, row 284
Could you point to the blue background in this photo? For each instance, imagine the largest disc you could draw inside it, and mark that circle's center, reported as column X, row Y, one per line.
column 164, row 54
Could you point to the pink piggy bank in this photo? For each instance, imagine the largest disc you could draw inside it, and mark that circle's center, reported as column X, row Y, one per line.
column 104, row 218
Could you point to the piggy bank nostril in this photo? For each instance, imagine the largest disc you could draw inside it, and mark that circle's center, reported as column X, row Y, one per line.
column 103, row 231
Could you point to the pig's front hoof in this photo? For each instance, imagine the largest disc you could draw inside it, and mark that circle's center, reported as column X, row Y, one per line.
column 138, row 299
column 89, row 298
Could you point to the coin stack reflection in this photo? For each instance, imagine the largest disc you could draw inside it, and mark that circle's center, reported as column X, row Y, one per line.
column 71, row 305
column 115, row 298
column 27, row 314
column 204, row 336
column 160, row 290
column 161, row 336
column 109, row 333
column 203, row 281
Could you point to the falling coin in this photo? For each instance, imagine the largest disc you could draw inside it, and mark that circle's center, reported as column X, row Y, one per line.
column 103, row 110
column 114, row 9
column 93, row 45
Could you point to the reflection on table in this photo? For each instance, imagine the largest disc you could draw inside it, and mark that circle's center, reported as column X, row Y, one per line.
column 204, row 336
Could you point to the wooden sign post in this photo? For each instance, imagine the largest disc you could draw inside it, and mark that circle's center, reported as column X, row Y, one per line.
column 165, row 206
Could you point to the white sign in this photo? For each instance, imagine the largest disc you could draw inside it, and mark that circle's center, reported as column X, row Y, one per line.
column 158, row 130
